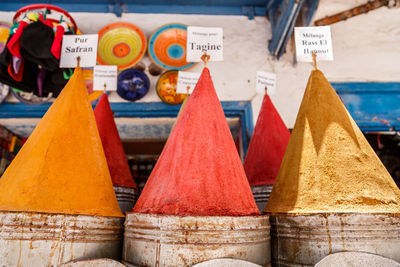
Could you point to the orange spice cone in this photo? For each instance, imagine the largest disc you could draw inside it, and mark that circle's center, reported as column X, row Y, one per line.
column 266, row 150
column 329, row 166
column 62, row 167
column 199, row 171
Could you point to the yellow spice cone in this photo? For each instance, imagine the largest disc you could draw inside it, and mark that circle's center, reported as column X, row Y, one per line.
column 329, row 165
column 62, row 167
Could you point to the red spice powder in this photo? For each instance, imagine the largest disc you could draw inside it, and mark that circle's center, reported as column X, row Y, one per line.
column 199, row 171
column 112, row 145
column 267, row 146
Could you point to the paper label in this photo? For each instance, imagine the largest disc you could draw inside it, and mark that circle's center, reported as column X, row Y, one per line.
column 265, row 81
column 187, row 81
column 83, row 46
column 104, row 74
column 202, row 40
column 313, row 39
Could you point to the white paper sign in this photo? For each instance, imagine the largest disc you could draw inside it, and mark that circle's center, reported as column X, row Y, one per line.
column 313, row 39
column 202, row 40
column 266, row 81
column 83, row 46
column 104, row 74
column 187, row 80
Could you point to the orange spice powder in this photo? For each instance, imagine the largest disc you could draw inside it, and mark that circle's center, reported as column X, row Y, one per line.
column 62, row 167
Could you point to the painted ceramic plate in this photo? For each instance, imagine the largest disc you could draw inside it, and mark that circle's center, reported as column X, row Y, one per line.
column 166, row 88
column 4, row 33
column 167, row 47
column 122, row 44
column 132, row 84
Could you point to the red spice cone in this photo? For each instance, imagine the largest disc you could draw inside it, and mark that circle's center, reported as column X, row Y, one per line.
column 112, row 145
column 199, row 171
column 267, row 146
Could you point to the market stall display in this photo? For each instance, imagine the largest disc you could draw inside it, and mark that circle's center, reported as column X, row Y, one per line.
column 122, row 44
column 30, row 59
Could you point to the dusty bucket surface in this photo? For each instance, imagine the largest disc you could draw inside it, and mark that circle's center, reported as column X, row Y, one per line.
column 168, row 240
column 42, row 239
column 226, row 263
column 126, row 197
column 261, row 194
column 305, row 239
column 93, row 263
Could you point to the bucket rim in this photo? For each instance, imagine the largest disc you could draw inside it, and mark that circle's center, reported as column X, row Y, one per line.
column 319, row 213
column 262, row 216
column 2, row 212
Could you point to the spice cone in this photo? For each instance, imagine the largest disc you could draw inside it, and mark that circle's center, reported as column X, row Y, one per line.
column 115, row 155
column 329, row 165
column 267, row 146
column 62, row 167
column 199, row 171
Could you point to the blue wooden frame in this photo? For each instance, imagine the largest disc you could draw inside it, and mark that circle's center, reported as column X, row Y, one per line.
column 375, row 106
column 248, row 8
column 283, row 15
column 240, row 109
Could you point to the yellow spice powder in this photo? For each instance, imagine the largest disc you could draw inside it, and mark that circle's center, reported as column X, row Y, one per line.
column 329, row 165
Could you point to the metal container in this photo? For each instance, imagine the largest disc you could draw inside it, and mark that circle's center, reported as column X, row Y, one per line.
column 93, row 263
column 126, row 197
column 43, row 239
column 305, row 239
column 261, row 195
column 167, row 240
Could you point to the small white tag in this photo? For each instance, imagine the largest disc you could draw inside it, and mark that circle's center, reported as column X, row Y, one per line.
column 266, row 80
column 83, row 46
column 104, row 74
column 313, row 39
column 187, row 80
column 202, row 40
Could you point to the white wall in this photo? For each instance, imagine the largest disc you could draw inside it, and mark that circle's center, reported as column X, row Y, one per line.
column 366, row 48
